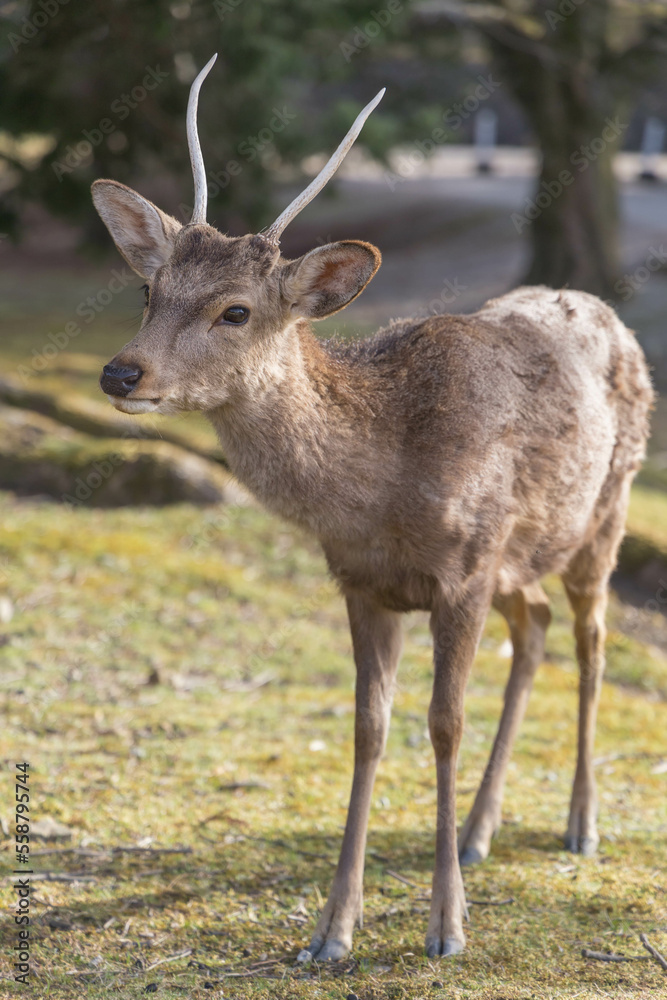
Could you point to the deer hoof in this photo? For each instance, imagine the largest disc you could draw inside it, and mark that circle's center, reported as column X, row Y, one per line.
column 332, row 951
column 323, row 951
column 586, row 846
column 437, row 948
column 470, row 856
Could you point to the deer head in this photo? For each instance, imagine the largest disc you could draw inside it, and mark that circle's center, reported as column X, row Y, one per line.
column 218, row 309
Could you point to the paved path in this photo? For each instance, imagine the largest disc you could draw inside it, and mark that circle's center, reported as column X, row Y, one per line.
column 449, row 242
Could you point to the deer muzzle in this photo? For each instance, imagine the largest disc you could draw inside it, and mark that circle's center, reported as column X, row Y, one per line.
column 119, row 381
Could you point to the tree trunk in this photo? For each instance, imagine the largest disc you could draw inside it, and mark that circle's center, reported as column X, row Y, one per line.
column 574, row 232
column 573, row 218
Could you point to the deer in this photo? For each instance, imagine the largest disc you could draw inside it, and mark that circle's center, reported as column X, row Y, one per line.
column 445, row 464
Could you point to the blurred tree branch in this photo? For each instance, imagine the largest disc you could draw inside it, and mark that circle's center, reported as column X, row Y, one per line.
column 66, row 71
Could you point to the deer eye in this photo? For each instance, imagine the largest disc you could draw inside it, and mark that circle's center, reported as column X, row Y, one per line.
column 147, row 293
column 235, row 314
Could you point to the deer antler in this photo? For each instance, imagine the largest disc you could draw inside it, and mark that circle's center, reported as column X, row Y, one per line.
column 273, row 233
column 196, row 158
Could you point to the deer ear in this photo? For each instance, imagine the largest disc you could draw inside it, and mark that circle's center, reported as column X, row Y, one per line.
column 143, row 234
column 326, row 279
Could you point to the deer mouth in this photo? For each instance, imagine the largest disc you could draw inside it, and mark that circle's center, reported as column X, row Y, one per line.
column 126, row 405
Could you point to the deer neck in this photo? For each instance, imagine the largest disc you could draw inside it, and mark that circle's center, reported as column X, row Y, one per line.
column 296, row 434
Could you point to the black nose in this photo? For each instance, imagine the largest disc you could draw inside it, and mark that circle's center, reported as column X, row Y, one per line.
column 119, row 381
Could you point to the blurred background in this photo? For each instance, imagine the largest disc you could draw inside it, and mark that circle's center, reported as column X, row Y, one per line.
column 143, row 598
column 518, row 141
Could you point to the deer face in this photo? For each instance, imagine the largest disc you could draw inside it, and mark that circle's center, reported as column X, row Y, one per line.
column 218, row 309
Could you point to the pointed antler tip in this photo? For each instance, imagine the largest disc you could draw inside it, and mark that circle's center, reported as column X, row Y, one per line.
column 272, row 234
column 198, row 171
column 376, row 100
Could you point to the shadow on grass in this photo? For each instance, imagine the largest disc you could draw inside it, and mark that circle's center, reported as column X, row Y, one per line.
column 249, row 866
column 218, row 886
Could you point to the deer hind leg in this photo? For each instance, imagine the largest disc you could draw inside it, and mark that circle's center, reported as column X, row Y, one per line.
column 376, row 638
column 528, row 616
column 456, row 628
column 586, row 584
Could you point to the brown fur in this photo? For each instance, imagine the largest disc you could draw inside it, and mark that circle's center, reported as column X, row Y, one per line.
column 444, row 464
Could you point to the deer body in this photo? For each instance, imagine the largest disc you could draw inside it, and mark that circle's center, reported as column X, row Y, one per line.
column 445, row 464
column 445, row 446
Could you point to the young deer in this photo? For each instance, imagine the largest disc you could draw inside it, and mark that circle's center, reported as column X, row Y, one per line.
column 446, row 464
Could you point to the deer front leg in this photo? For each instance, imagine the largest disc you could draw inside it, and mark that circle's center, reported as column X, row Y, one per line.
column 376, row 639
column 456, row 630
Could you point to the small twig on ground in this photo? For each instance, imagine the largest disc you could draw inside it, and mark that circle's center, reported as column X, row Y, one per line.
column 151, row 850
column 224, row 816
column 170, row 958
column 209, row 840
column 88, row 852
column 405, row 881
column 603, row 956
column 290, row 847
column 235, row 786
column 242, row 686
column 83, row 852
column 256, row 969
column 191, row 872
column 639, row 755
column 490, row 902
column 653, row 952
column 63, row 877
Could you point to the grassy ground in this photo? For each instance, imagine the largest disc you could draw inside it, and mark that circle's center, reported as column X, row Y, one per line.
column 180, row 679
column 181, row 683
